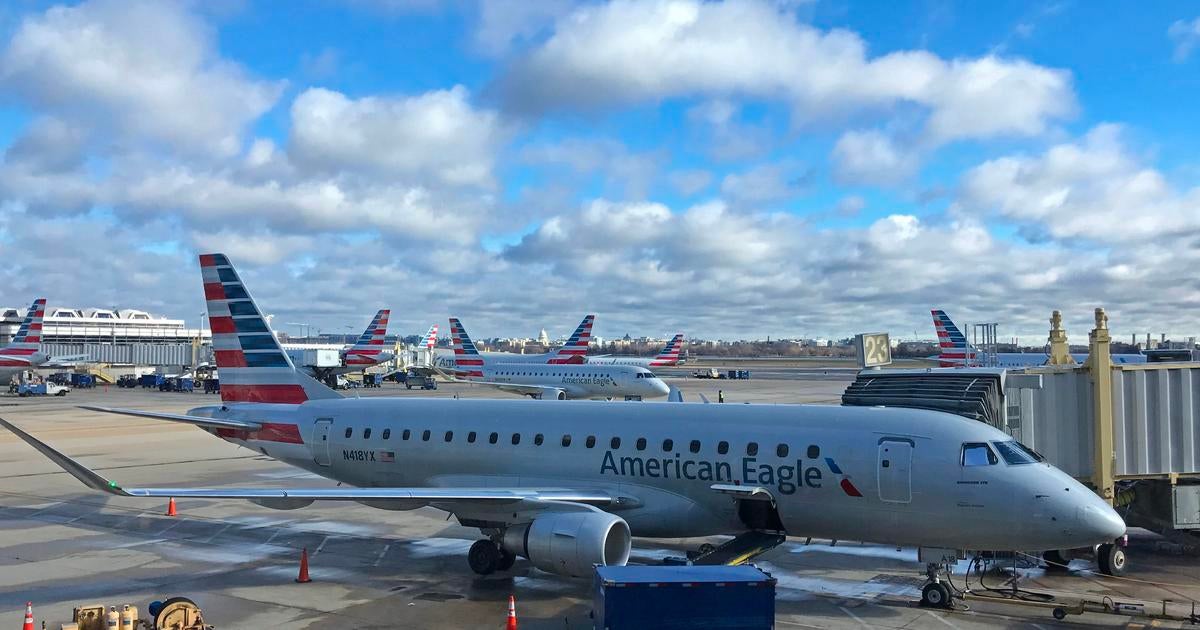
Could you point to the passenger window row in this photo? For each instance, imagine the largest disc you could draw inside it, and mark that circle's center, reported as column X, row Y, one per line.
column 668, row 445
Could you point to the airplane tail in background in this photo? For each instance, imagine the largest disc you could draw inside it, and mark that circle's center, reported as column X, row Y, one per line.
column 368, row 350
column 28, row 339
column 465, row 354
column 670, row 354
column 253, row 367
column 576, row 347
column 431, row 337
column 955, row 351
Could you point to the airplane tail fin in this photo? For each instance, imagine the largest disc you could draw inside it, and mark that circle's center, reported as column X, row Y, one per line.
column 465, row 354
column 369, row 347
column 29, row 336
column 252, row 366
column 431, row 337
column 954, row 349
column 670, row 353
column 576, row 347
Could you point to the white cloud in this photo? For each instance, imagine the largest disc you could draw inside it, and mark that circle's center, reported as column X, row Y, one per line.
column 435, row 136
column 766, row 183
column 870, row 157
column 1091, row 189
column 1185, row 35
column 148, row 68
column 689, row 182
column 626, row 172
column 625, row 52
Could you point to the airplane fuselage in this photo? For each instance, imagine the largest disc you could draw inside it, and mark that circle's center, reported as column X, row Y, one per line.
column 889, row 476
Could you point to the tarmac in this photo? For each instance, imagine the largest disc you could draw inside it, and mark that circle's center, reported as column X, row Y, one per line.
column 62, row 545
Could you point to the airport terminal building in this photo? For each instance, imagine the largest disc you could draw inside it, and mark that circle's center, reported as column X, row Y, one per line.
column 117, row 336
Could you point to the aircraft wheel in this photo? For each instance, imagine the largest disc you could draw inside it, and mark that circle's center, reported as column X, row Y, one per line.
column 507, row 559
column 706, row 549
column 484, row 557
column 1056, row 559
column 1111, row 559
column 935, row 595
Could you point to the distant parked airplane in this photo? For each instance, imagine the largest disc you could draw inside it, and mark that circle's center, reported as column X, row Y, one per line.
column 956, row 351
column 24, row 351
column 571, row 352
column 668, row 357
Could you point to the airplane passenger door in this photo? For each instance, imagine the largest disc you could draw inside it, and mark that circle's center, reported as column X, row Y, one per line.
column 320, row 440
column 895, row 470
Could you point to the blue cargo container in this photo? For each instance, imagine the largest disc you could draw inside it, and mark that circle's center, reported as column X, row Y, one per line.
column 730, row 598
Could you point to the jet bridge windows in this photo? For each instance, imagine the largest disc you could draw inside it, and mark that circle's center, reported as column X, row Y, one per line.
column 978, row 454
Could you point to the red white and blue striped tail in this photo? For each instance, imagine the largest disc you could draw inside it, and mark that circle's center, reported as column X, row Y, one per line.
column 670, row 353
column 369, row 349
column 466, row 357
column 576, row 347
column 431, row 337
column 952, row 343
column 29, row 336
column 251, row 365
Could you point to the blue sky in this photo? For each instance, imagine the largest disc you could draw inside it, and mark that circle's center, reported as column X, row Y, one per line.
column 730, row 169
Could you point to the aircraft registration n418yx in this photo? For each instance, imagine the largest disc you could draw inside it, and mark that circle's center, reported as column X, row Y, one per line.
column 567, row 485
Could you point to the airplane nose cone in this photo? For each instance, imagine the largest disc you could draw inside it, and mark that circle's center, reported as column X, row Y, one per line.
column 1100, row 522
column 660, row 388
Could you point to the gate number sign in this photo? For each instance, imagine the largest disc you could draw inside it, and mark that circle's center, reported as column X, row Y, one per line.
column 874, row 349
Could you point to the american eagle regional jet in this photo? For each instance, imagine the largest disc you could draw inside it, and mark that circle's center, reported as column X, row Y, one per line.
column 567, row 485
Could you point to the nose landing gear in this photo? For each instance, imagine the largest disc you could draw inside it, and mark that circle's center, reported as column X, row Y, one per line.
column 936, row 594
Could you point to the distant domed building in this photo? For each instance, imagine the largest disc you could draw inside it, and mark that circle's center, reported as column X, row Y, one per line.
column 543, row 338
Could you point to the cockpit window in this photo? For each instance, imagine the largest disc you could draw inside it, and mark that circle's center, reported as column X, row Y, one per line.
column 978, row 454
column 1015, row 453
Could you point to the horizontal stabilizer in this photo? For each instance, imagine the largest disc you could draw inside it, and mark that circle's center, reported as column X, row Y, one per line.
column 200, row 421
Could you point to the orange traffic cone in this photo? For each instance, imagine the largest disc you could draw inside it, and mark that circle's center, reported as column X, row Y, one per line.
column 512, row 614
column 303, row 577
column 28, row 616
column 171, row 507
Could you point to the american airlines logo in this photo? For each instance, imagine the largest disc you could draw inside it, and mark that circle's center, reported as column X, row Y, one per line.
column 785, row 478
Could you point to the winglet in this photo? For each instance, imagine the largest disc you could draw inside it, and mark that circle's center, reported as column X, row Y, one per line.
column 76, row 470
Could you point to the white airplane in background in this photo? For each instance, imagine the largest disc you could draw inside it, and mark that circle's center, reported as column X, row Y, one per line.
column 668, row 357
column 24, row 351
column 566, row 486
column 956, row 351
column 431, row 338
column 367, row 350
column 560, row 381
column 572, row 352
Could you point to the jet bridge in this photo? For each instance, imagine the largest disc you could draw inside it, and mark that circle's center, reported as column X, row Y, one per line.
column 975, row 393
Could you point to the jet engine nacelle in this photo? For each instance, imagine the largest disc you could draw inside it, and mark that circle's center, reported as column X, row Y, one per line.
column 571, row 542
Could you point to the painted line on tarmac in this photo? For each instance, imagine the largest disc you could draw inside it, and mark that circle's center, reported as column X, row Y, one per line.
column 383, row 553
column 853, row 616
column 942, row 619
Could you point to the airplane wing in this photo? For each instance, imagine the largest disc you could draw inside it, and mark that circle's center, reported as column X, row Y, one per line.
column 450, row 499
column 200, row 421
column 515, row 388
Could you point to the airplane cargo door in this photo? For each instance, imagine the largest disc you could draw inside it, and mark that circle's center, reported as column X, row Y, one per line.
column 895, row 471
column 320, row 441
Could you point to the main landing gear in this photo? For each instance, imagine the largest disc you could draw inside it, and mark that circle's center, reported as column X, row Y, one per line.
column 1110, row 558
column 487, row 557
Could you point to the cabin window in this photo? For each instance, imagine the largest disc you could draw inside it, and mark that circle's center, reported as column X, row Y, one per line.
column 978, row 454
column 387, row 434
column 668, row 445
column 781, row 450
column 614, row 443
column 449, row 436
column 516, row 439
column 349, row 431
column 722, row 447
column 425, row 435
column 367, row 433
column 694, row 446
column 538, row 439
column 590, row 442
column 814, row 451
column 641, row 444
column 752, row 449
column 406, row 434
column 471, row 437
column 493, row 438
column 566, row 441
